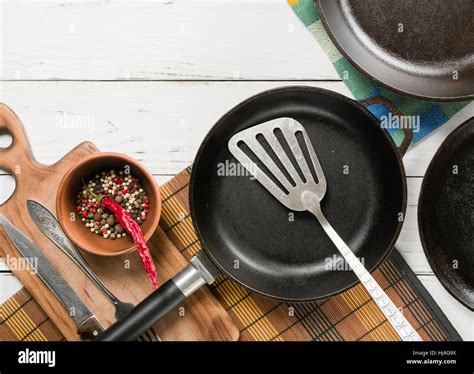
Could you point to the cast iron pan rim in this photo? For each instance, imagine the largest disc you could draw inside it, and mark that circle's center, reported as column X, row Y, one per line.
column 273, row 91
column 445, row 145
column 365, row 72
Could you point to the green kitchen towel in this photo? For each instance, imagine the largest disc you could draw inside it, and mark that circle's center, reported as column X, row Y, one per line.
column 422, row 116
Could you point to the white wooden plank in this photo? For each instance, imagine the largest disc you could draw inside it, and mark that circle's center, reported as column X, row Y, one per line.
column 3, row 265
column 461, row 317
column 9, row 285
column 409, row 244
column 7, row 187
column 171, row 40
column 160, row 123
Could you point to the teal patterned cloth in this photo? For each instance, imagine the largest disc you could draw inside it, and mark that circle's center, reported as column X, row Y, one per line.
column 430, row 115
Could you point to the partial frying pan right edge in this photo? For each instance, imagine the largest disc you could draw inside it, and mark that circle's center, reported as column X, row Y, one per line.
column 446, row 214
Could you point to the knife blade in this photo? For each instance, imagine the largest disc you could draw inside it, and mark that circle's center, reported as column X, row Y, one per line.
column 87, row 324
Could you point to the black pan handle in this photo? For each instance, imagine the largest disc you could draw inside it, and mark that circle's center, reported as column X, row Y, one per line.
column 145, row 314
column 402, row 148
column 158, row 304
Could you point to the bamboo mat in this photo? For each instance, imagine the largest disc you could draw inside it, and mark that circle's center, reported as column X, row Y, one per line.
column 350, row 316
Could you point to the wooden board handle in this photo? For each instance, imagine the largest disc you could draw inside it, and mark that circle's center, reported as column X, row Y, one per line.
column 18, row 153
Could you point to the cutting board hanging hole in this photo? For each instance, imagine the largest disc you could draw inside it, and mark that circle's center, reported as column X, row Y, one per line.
column 7, row 186
column 5, row 140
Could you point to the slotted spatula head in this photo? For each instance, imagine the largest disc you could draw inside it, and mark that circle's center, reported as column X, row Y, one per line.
column 279, row 154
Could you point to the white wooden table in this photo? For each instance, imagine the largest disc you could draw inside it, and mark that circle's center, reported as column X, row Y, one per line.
column 150, row 78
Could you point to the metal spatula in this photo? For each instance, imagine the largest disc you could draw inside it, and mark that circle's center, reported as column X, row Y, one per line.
column 281, row 165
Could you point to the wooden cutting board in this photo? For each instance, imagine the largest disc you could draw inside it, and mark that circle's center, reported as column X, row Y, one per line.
column 201, row 317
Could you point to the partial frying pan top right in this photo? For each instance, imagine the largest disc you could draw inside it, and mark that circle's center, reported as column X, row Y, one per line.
column 422, row 48
column 446, row 214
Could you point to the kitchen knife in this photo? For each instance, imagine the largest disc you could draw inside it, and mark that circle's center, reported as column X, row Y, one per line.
column 87, row 324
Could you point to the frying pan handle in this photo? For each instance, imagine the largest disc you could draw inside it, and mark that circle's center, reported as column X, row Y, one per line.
column 18, row 153
column 145, row 314
column 403, row 147
column 158, row 304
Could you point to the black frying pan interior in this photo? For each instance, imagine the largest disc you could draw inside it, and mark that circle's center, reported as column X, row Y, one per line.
column 446, row 214
column 283, row 254
column 422, row 48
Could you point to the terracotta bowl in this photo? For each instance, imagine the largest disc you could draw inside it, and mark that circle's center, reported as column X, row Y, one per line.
column 71, row 184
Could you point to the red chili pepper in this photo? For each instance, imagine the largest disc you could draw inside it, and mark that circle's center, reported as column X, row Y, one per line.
column 133, row 228
column 129, row 224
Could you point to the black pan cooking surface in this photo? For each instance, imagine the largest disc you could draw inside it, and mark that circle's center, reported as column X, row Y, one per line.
column 423, row 48
column 446, row 214
column 285, row 254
